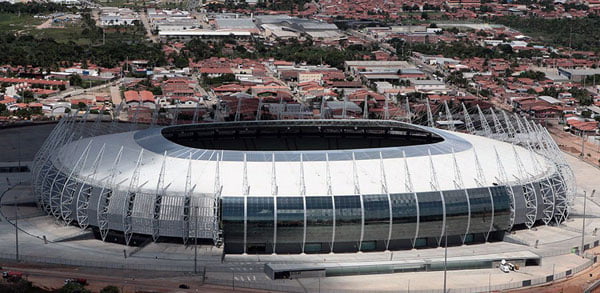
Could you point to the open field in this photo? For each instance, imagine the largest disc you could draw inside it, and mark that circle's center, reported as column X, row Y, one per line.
column 13, row 22
column 63, row 35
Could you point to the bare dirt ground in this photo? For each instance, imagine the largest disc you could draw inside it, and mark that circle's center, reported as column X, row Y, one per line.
column 572, row 144
column 45, row 24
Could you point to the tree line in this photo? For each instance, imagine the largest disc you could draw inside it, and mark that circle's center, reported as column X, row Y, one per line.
column 33, row 8
column 578, row 33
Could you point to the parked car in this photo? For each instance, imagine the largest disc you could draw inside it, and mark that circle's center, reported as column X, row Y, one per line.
column 12, row 276
column 79, row 281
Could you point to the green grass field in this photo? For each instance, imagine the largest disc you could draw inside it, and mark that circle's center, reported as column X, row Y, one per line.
column 63, row 35
column 12, row 22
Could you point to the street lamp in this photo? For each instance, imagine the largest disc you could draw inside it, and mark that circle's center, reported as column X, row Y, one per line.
column 196, row 242
column 445, row 256
column 16, row 229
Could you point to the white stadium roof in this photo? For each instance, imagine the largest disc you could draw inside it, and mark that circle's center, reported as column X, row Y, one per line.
column 287, row 177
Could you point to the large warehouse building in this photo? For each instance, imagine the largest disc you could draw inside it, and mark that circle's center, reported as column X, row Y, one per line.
column 304, row 186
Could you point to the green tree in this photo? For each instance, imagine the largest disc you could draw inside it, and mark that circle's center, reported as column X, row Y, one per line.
column 75, row 80
column 180, row 61
column 28, row 96
column 73, row 287
column 110, row 289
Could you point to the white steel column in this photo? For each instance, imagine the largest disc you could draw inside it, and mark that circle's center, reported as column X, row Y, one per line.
column 487, row 131
column 362, row 205
column 218, row 189
column 468, row 120
column 436, row 186
column 196, row 109
column 480, row 180
column 497, row 125
column 330, row 193
column 449, row 117
column 546, row 189
column 187, row 204
column 408, row 113
column 58, row 179
column 85, row 191
column 108, row 190
column 528, row 191
column 409, row 188
column 430, row 121
column 131, row 194
column 303, row 194
column 458, row 184
column 245, row 192
column 274, row 190
column 68, row 192
column 160, row 191
column 512, row 133
column 487, row 235
column 384, row 190
column 504, row 181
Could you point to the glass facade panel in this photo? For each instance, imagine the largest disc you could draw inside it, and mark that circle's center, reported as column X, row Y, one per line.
column 404, row 213
column 481, row 210
column 319, row 219
column 431, row 214
column 290, row 219
column 457, row 212
column 377, row 217
column 501, row 207
column 348, row 219
column 260, row 222
column 233, row 219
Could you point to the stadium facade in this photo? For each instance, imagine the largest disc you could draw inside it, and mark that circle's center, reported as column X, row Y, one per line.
column 304, row 186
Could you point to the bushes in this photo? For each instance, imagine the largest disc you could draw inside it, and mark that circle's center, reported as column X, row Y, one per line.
column 110, row 289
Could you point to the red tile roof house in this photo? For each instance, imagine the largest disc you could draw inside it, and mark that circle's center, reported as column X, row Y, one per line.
column 586, row 127
column 52, row 84
column 6, row 100
column 230, row 88
column 143, row 98
column 178, row 89
column 215, row 72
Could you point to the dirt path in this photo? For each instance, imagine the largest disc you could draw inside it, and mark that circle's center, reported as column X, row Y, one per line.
column 572, row 144
column 45, row 24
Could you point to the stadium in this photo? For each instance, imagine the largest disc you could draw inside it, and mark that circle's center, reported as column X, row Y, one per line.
column 304, row 186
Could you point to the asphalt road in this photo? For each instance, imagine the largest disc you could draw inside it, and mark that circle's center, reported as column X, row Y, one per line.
column 53, row 277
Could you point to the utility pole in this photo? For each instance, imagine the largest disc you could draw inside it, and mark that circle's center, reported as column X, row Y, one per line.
column 583, row 223
column 16, row 229
column 19, row 153
column 584, row 216
column 196, row 243
column 445, row 257
column 582, row 145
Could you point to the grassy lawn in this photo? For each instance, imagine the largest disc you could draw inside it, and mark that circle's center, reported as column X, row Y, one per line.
column 14, row 22
column 62, row 35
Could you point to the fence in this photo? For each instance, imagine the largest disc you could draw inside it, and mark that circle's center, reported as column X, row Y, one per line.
column 237, row 278
column 297, row 286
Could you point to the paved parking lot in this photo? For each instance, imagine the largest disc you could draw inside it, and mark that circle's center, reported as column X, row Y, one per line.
column 21, row 143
